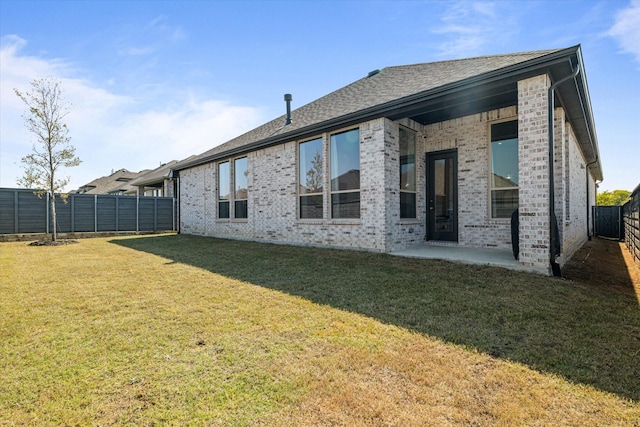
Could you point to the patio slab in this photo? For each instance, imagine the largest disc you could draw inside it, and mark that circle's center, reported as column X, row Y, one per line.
column 479, row 256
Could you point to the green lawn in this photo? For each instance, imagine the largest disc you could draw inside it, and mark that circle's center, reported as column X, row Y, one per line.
column 183, row 330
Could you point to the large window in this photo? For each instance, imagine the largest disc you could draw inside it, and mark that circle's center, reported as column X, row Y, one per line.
column 310, row 179
column 407, row 174
column 504, row 169
column 345, row 174
column 240, row 194
column 224, row 189
column 237, row 198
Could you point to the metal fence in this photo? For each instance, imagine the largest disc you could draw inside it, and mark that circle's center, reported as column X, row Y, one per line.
column 631, row 218
column 608, row 221
column 22, row 211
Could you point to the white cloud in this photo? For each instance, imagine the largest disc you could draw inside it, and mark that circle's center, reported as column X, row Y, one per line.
column 469, row 27
column 151, row 38
column 626, row 29
column 111, row 131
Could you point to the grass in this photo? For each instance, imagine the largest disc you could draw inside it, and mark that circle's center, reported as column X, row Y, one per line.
column 183, row 330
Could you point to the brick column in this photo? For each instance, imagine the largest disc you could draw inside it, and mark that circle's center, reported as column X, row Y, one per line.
column 533, row 157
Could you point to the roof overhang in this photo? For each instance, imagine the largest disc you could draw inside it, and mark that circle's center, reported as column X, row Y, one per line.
column 483, row 92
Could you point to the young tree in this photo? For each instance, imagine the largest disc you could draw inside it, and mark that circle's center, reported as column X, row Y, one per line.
column 51, row 150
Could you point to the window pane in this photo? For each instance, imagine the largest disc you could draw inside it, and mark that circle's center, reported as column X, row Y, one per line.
column 224, row 181
column 240, row 177
column 407, row 205
column 311, row 206
column 503, row 203
column 407, row 160
column 345, row 160
column 504, row 163
column 345, row 205
column 223, row 209
column 310, row 167
column 240, row 209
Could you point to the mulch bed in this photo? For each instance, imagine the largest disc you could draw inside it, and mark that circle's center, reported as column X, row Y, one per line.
column 59, row 242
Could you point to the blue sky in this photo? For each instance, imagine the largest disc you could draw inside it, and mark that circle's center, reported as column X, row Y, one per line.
column 151, row 82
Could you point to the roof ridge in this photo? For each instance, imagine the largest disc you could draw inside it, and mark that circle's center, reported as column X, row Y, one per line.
column 541, row 52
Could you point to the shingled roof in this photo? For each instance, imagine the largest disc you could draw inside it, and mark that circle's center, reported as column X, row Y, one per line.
column 155, row 176
column 116, row 183
column 406, row 91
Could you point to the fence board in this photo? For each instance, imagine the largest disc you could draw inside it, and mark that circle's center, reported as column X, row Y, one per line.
column 631, row 218
column 21, row 211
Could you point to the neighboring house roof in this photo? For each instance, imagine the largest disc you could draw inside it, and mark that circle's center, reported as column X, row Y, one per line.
column 429, row 93
column 117, row 183
column 155, row 176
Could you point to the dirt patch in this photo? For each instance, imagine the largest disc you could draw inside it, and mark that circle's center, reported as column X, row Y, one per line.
column 59, row 242
column 604, row 262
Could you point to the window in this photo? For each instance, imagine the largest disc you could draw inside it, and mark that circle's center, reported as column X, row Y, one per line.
column 504, row 169
column 407, row 174
column 224, row 189
column 241, row 188
column 345, row 174
column 310, row 179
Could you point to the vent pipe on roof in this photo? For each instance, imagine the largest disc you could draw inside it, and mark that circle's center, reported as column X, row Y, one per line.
column 288, row 98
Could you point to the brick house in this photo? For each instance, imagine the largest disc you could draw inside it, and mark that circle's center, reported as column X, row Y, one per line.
column 442, row 152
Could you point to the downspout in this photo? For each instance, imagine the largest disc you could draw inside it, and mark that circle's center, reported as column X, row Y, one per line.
column 555, row 267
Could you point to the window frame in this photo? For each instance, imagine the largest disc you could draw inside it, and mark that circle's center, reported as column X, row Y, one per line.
column 300, row 194
column 220, row 199
column 490, row 184
column 236, row 199
column 232, row 197
column 414, row 192
column 329, row 179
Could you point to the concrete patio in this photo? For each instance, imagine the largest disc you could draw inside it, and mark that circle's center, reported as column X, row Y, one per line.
column 453, row 252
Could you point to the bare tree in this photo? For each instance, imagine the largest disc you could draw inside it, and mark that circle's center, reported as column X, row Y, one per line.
column 51, row 150
column 314, row 174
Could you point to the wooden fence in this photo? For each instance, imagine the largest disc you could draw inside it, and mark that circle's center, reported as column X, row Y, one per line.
column 22, row 211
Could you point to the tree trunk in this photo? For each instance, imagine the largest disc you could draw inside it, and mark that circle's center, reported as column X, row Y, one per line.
column 54, row 232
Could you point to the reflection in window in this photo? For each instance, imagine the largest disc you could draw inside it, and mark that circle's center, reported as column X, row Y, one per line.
column 310, row 178
column 504, row 169
column 224, row 189
column 407, row 174
column 345, row 174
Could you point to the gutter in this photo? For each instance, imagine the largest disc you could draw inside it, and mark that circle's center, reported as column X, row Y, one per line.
column 555, row 267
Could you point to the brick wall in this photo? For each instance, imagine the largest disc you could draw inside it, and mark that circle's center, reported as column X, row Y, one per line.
column 533, row 156
column 403, row 232
column 272, row 199
column 576, row 198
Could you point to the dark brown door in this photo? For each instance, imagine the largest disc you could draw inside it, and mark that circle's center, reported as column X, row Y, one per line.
column 442, row 195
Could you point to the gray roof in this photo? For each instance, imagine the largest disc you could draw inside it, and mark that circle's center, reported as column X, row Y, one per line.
column 118, row 182
column 155, row 176
column 405, row 91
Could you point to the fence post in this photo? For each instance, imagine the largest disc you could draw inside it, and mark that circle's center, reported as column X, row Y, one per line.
column 137, row 214
column 117, row 212
column 155, row 214
column 16, row 217
column 95, row 213
column 73, row 213
column 48, row 208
